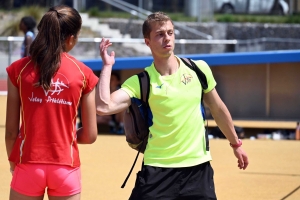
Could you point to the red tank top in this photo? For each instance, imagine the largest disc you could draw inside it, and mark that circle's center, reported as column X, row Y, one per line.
column 48, row 126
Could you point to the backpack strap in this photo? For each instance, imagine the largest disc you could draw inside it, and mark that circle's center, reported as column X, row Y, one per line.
column 201, row 76
column 144, row 81
column 203, row 81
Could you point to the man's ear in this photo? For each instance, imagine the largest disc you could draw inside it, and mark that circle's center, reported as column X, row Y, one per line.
column 147, row 41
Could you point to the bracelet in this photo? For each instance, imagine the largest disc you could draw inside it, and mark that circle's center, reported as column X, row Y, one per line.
column 11, row 171
column 236, row 145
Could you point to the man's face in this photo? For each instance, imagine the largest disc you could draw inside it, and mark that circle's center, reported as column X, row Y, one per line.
column 162, row 39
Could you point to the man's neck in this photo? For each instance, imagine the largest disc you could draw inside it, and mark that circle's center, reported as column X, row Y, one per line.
column 166, row 66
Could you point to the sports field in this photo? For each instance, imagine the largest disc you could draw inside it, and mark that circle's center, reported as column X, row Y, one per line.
column 273, row 173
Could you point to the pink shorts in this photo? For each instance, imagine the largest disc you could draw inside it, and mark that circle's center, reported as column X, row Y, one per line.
column 33, row 179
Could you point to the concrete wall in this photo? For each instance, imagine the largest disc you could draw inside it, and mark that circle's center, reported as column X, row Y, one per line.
column 260, row 91
column 236, row 31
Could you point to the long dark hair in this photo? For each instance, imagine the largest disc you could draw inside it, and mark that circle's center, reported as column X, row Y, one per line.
column 55, row 27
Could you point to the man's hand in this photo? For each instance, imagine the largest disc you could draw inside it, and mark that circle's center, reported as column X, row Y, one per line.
column 107, row 59
column 242, row 157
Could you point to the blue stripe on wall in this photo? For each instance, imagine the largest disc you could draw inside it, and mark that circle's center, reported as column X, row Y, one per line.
column 220, row 59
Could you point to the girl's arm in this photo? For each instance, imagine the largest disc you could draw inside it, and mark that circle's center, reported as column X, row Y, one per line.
column 87, row 134
column 12, row 124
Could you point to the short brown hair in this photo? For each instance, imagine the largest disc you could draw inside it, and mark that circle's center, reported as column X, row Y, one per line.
column 159, row 17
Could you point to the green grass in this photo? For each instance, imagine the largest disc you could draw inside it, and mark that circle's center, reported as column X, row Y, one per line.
column 35, row 11
column 181, row 17
column 94, row 12
column 257, row 18
column 12, row 27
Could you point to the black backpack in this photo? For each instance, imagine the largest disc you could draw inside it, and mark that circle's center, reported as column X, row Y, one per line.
column 136, row 118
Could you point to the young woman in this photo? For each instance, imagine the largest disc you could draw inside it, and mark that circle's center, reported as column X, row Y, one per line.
column 27, row 25
column 47, row 88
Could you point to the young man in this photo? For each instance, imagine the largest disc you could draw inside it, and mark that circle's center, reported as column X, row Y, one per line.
column 177, row 158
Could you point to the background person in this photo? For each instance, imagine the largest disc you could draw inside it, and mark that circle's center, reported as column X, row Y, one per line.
column 177, row 157
column 27, row 25
column 46, row 88
column 114, row 121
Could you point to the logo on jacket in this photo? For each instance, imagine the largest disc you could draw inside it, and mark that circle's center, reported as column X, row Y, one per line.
column 159, row 86
column 186, row 78
column 58, row 84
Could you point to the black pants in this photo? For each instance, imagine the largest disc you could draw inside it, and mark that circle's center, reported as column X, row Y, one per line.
column 188, row 183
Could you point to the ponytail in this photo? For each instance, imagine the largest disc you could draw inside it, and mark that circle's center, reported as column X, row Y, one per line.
column 55, row 27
